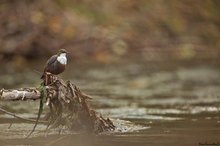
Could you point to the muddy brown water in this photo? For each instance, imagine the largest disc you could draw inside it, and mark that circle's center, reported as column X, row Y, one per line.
column 151, row 104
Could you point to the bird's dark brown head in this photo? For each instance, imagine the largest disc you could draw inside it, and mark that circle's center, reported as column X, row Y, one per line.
column 62, row 51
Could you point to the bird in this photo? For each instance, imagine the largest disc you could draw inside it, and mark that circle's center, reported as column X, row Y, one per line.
column 56, row 64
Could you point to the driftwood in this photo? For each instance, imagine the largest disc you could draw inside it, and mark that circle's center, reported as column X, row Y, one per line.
column 68, row 105
column 19, row 94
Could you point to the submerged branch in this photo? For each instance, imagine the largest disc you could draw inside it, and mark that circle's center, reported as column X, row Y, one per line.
column 21, row 118
column 68, row 105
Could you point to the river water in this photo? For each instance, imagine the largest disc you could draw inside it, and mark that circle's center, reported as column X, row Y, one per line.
column 153, row 103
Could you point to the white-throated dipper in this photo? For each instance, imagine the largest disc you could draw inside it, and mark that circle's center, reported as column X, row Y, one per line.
column 56, row 64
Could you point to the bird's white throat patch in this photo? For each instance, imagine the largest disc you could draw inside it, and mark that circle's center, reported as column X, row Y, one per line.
column 62, row 58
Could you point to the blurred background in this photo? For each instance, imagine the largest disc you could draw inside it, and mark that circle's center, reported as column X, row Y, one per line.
column 108, row 30
column 157, row 33
column 152, row 62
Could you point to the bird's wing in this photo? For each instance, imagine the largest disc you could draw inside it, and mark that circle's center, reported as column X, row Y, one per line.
column 50, row 61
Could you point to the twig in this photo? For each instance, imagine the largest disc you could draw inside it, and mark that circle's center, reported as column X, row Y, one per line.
column 21, row 118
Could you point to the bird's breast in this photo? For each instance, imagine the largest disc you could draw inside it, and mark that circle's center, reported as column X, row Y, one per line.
column 59, row 68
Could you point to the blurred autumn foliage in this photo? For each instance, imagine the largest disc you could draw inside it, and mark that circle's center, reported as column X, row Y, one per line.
column 105, row 30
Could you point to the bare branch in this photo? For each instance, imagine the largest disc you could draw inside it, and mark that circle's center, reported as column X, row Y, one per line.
column 21, row 118
column 19, row 94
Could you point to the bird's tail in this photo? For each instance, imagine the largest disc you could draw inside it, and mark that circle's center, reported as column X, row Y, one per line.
column 43, row 76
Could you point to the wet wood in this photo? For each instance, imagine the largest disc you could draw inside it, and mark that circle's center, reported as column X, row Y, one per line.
column 68, row 106
column 19, row 94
